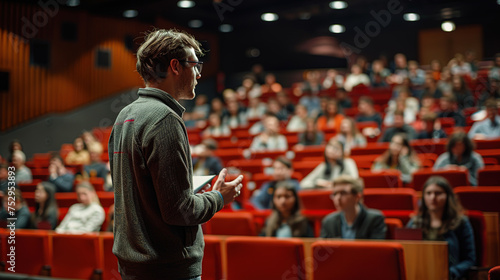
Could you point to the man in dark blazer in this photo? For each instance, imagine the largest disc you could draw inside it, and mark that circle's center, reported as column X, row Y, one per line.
column 352, row 220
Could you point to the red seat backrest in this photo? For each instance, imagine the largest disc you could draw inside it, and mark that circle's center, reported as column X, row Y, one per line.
column 489, row 176
column 478, row 224
column 212, row 262
column 316, row 200
column 455, row 177
column 75, row 256
column 271, row 258
column 110, row 262
column 390, row 199
column 374, row 260
column 231, row 223
column 383, row 179
column 392, row 224
column 483, row 199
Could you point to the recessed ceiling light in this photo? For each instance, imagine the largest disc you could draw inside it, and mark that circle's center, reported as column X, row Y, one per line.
column 338, row 5
column 448, row 26
column 186, row 4
column 411, row 17
column 195, row 23
column 130, row 13
column 337, row 28
column 72, row 3
column 269, row 17
column 225, row 28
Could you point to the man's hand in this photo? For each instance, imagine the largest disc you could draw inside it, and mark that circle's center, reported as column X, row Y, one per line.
column 229, row 190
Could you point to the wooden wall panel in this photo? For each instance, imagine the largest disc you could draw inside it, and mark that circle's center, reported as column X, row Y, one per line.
column 437, row 44
column 71, row 80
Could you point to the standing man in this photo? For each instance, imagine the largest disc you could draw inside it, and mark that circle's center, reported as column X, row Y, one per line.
column 157, row 215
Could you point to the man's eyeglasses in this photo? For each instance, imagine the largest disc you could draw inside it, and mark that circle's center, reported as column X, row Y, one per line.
column 198, row 65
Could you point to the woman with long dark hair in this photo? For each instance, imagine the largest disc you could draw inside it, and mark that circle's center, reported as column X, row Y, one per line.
column 334, row 165
column 460, row 155
column 399, row 156
column 46, row 210
column 286, row 220
column 441, row 217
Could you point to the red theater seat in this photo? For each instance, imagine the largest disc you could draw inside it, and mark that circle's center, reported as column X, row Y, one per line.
column 483, row 199
column 308, row 151
column 250, row 165
column 33, row 251
column 382, row 179
column 372, row 260
column 75, row 256
column 370, row 149
column 316, row 200
column 429, row 146
column 110, row 262
column 212, row 264
column 390, row 199
column 29, row 187
column 455, row 177
column 478, row 223
column 227, row 155
column 489, row 176
column 494, row 273
column 231, row 223
column 40, row 174
column 250, row 258
column 392, row 224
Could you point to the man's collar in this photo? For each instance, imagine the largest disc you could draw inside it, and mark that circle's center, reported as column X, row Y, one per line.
column 163, row 97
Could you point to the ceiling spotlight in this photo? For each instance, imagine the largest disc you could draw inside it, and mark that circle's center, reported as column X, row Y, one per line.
column 130, row 13
column 185, row 4
column 411, row 17
column 448, row 26
column 72, row 3
column 269, row 17
column 225, row 28
column 338, row 5
column 337, row 28
column 195, row 23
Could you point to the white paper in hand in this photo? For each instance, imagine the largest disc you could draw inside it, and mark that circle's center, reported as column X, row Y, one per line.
column 200, row 181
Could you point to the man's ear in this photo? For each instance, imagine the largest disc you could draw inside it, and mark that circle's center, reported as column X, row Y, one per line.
column 175, row 65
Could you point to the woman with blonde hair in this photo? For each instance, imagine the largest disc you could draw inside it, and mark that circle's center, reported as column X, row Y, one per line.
column 85, row 216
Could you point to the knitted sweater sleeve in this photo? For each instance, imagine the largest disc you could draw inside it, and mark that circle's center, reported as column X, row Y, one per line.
column 169, row 160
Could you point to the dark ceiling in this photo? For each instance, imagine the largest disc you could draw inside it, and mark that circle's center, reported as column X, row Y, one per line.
column 283, row 44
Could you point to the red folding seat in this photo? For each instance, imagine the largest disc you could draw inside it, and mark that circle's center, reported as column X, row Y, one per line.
column 76, row 256
column 390, row 199
column 271, row 258
column 483, row 199
column 260, row 178
column 110, row 262
column 429, row 146
column 487, row 144
column 231, row 223
column 40, row 174
column 32, row 251
column 491, row 153
column 41, row 160
column 305, row 167
column 249, row 165
column 212, row 260
column 376, row 148
column 316, row 200
column 374, row 260
column 489, row 176
column 455, row 177
column 29, row 187
column 478, row 224
column 267, row 154
column 392, row 224
column 227, row 155
column 381, row 179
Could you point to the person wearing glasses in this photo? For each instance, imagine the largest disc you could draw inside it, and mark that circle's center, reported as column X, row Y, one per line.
column 157, row 232
column 352, row 220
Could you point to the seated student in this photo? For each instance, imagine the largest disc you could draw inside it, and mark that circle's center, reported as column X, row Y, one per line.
column 270, row 139
column 282, row 172
column 61, row 177
column 205, row 162
column 399, row 156
column 447, row 109
column 23, row 173
column 286, row 220
column 255, row 108
column 96, row 168
column 332, row 118
column 357, row 77
column 91, row 142
column 215, row 127
column 45, row 206
column 235, row 115
column 85, row 216
column 343, row 100
column 21, row 211
column 350, row 136
column 441, row 217
column 311, row 136
column 431, row 128
column 367, row 112
column 490, row 127
column 399, row 127
column 352, row 220
column 4, row 177
column 80, row 155
column 460, row 155
column 298, row 121
column 334, row 165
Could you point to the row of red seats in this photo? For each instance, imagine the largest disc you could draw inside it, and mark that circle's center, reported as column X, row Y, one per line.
column 89, row 256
